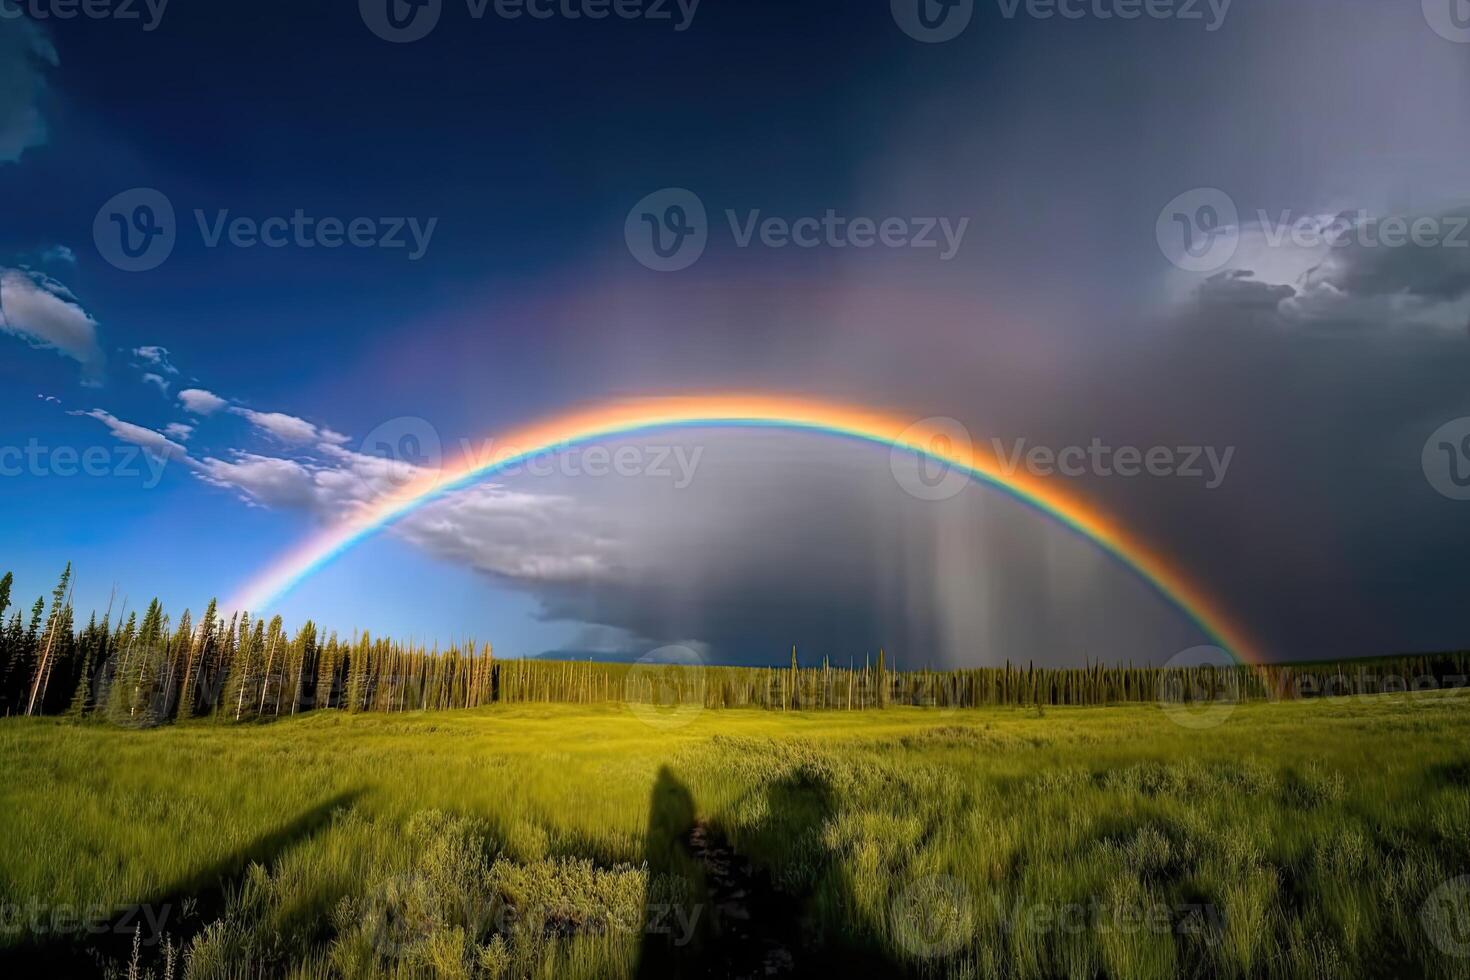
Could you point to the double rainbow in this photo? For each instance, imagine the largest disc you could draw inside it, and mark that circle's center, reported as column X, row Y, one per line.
column 630, row 418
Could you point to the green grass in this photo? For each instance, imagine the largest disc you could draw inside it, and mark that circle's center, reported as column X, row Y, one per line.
column 1297, row 839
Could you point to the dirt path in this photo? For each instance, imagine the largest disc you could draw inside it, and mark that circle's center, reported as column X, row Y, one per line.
column 756, row 929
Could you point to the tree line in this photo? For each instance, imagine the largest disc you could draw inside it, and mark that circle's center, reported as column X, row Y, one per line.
column 147, row 669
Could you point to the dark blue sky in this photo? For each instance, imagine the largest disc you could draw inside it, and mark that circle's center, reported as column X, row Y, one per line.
column 527, row 142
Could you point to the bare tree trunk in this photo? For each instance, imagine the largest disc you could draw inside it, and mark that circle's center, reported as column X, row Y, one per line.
column 245, row 653
column 185, row 698
column 43, row 669
column 265, row 680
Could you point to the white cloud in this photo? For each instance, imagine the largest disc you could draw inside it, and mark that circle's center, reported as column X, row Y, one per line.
column 44, row 312
column 154, row 442
column 157, row 380
column 25, row 53
column 263, row 480
column 539, row 538
column 156, row 356
column 289, row 428
column 1341, row 270
column 201, row 402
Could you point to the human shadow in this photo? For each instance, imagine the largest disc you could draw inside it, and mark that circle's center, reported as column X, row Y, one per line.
column 758, row 899
column 77, row 942
column 674, row 894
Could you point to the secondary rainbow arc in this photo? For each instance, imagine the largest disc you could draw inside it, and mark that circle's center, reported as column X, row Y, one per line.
column 629, row 418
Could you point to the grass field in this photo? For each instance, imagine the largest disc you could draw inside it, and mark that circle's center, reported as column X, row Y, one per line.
column 1306, row 839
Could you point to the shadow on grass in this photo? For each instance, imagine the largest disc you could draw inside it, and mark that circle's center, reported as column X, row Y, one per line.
column 177, row 910
column 767, row 908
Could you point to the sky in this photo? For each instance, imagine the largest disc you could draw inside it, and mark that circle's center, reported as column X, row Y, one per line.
column 262, row 264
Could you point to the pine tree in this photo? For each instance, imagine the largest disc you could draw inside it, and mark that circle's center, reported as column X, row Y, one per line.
column 94, row 653
column 138, row 679
column 239, row 691
column 22, row 660
column 194, row 658
column 115, row 701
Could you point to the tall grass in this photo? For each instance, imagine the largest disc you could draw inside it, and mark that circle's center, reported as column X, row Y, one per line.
column 1303, row 839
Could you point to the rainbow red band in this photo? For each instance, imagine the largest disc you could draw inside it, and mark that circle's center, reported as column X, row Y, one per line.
column 629, row 418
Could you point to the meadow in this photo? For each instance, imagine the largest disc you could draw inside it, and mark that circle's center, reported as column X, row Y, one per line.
column 1302, row 838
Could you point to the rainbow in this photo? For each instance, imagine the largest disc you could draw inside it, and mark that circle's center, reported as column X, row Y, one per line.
column 928, row 438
